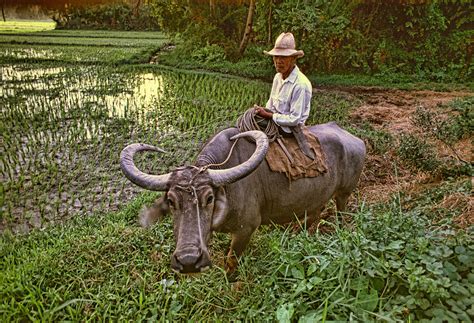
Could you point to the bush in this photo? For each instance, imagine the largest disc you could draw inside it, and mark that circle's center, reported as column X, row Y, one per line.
column 118, row 15
column 418, row 153
column 209, row 53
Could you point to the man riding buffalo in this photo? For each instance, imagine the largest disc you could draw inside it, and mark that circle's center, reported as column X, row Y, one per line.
column 290, row 98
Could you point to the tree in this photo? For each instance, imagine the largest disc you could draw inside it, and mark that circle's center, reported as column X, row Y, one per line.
column 248, row 28
column 3, row 10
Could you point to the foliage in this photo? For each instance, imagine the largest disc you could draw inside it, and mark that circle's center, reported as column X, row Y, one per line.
column 452, row 123
column 116, row 15
column 390, row 264
column 428, row 40
column 417, row 152
column 377, row 141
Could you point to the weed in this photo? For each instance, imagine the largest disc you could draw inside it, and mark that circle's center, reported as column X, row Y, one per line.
column 379, row 141
column 418, row 153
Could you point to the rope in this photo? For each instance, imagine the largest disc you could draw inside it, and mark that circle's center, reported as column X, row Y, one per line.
column 196, row 202
column 251, row 121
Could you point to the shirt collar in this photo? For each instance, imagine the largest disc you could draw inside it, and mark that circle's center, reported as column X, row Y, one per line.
column 293, row 75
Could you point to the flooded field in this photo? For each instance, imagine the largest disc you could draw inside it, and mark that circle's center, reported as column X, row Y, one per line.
column 63, row 130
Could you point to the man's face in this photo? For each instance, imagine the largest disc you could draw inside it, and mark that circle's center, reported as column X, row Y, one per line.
column 284, row 64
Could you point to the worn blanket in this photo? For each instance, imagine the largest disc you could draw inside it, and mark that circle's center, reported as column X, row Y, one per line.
column 302, row 166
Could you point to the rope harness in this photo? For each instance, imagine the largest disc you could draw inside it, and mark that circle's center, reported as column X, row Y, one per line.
column 251, row 121
column 190, row 188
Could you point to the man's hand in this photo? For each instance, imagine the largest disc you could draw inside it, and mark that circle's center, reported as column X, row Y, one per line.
column 263, row 113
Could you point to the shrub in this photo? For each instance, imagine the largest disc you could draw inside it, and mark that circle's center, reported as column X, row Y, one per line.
column 418, row 153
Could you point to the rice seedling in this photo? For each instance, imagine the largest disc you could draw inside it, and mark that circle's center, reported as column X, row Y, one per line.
column 65, row 127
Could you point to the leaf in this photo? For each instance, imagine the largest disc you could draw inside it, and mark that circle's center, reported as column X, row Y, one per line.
column 310, row 317
column 396, row 245
column 368, row 300
column 315, row 281
column 359, row 283
column 285, row 312
column 297, row 273
column 312, row 268
column 466, row 260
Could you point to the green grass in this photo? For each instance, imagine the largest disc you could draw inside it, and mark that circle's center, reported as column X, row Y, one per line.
column 389, row 266
column 108, row 34
column 25, row 26
column 84, row 47
column 67, row 40
column 19, row 53
column 257, row 65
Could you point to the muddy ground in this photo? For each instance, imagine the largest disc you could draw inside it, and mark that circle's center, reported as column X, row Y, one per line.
column 392, row 111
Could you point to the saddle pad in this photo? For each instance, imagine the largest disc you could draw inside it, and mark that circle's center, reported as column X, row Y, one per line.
column 303, row 166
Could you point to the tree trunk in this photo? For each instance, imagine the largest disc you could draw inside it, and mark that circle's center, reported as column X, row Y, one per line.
column 248, row 28
column 270, row 25
column 136, row 8
column 212, row 8
column 3, row 10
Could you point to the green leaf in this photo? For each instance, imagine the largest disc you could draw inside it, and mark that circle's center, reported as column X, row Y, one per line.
column 312, row 268
column 315, row 281
column 396, row 245
column 310, row 317
column 368, row 300
column 359, row 283
column 297, row 273
column 285, row 312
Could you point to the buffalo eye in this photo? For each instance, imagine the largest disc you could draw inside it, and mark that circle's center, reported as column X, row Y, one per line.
column 210, row 199
column 170, row 203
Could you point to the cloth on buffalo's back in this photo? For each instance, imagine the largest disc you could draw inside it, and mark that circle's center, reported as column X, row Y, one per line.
column 302, row 165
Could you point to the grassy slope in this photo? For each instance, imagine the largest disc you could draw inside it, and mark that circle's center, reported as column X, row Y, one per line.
column 398, row 259
column 389, row 264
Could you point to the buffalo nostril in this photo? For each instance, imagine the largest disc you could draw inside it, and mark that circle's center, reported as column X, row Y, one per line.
column 188, row 257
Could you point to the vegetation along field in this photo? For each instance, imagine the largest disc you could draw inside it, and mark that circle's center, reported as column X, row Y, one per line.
column 71, row 248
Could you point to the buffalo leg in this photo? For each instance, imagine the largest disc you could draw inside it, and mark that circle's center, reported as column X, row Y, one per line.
column 239, row 241
column 341, row 205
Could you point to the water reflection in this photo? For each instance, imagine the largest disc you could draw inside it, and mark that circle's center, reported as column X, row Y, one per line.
column 149, row 88
column 65, row 128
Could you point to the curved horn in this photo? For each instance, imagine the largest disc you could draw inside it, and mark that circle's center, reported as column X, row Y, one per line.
column 136, row 176
column 227, row 176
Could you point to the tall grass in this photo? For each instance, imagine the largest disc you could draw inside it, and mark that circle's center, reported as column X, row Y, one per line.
column 393, row 262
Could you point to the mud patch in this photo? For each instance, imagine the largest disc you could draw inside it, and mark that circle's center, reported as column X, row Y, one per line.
column 392, row 111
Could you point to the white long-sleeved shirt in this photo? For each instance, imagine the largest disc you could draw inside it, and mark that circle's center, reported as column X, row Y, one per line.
column 290, row 99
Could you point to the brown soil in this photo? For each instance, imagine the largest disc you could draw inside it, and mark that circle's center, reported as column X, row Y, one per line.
column 392, row 110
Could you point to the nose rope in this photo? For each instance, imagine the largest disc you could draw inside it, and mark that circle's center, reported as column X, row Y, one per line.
column 190, row 188
column 198, row 218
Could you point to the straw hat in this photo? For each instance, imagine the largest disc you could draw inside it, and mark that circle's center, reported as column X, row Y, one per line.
column 285, row 46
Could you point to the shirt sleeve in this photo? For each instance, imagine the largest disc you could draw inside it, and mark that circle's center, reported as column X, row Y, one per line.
column 269, row 104
column 297, row 104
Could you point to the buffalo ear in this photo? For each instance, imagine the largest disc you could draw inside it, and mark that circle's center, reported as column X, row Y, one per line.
column 151, row 215
column 220, row 208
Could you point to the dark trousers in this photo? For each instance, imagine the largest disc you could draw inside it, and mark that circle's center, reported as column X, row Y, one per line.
column 263, row 123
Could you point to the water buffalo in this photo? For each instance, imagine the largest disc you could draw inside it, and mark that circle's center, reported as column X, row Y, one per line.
column 242, row 193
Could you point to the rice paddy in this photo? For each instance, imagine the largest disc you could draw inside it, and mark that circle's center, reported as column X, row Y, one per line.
column 64, row 124
column 25, row 26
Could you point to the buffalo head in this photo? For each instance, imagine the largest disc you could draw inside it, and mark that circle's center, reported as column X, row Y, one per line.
column 195, row 196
